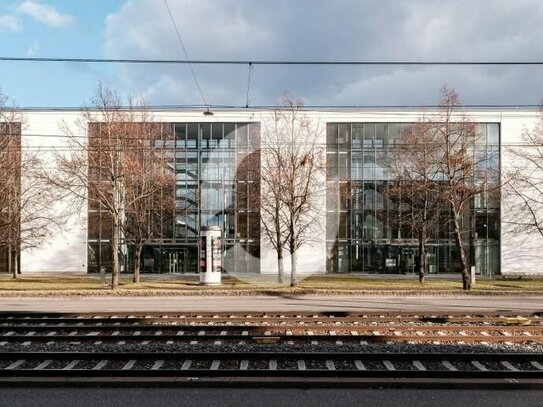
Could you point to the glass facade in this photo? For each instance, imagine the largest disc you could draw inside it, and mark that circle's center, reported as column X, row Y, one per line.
column 365, row 232
column 215, row 185
column 10, row 194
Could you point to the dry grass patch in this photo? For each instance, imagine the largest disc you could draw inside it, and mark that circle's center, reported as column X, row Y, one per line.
column 411, row 284
column 365, row 283
column 48, row 283
column 324, row 285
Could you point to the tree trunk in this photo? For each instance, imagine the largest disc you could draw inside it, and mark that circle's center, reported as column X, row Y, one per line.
column 459, row 241
column 293, row 281
column 137, row 261
column 279, row 240
column 115, row 271
column 280, row 266
column 18, row 261
column 16, row 266
column 11, row 266
column 422, row 254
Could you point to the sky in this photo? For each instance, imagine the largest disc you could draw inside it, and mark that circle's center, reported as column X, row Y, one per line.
column 416, row 30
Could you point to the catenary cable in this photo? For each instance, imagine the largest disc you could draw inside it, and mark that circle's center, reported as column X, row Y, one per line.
column 267, row 62
column 186, row 55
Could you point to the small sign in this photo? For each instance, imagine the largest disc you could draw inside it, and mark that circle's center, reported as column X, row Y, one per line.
column 390, row 262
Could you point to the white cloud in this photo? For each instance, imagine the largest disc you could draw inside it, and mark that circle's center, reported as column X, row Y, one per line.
column 10, row 23
column 45, row 13
column 32, row 49
column 320, row 30
column 419, row 86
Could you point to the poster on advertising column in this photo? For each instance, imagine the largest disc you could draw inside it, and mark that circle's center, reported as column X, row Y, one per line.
column 203, row 254
column 216, row 254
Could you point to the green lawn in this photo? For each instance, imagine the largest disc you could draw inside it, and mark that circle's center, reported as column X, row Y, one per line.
column 188, row 285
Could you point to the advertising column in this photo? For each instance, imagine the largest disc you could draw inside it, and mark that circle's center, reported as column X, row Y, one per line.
column 210, row 255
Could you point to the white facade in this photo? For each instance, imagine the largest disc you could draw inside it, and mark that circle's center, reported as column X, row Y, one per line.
column 67, row 252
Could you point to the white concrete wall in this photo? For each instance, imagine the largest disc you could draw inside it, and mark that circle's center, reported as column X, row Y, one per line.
column 311, row 257
column 65, row 251
column 521, row 252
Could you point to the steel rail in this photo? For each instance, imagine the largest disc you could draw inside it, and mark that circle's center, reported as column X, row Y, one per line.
column 196, row 374
column 204, row 355
column 136, row 370
column 275, row 319
column 14, row 315
column 277, row 338
column 228, row 374
column 304, row 327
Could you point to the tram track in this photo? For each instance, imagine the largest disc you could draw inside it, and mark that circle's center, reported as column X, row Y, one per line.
column 271, row 318
column 312, row 364
column 353, row 337
column 220, row 346
column 230, row 332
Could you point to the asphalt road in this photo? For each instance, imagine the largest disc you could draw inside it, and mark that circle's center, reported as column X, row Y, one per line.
column 235, row 397
column 274, row 304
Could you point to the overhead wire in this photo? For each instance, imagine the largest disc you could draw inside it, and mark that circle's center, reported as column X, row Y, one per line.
column 265, row 62
column 252, row 63
column 186, row 55
column 159, row 108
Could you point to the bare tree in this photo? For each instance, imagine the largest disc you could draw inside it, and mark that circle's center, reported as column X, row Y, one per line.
column 525, row 181
column 27, row 216
column 463, row 170
column 10, row 181
column 100, row 168
column 291, row 181
column 149, row 186
column 438, row 165
column 35, row 218
column 272, row 210
column 416, row 184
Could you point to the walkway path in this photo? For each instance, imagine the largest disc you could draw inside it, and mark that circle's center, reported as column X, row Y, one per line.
column 273, row 303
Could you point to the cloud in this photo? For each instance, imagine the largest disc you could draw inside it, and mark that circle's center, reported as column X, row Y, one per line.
column 320, row 30
column 10, row 23
column 32, row 49
column 45, row 14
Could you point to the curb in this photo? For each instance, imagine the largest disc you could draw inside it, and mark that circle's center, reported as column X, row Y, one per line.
column 263, row 293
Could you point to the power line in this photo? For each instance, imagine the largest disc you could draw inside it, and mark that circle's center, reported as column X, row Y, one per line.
column 408, row 109
column 307, row 107
column 265, row 62
column 186, row 54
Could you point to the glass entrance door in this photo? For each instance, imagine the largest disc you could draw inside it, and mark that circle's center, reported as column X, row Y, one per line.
column 177, row 260
column 173, row 262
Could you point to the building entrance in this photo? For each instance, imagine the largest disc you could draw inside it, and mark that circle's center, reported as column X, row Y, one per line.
column 392, row 258
column 407, row 260
column 177, row 261
column 169, row 259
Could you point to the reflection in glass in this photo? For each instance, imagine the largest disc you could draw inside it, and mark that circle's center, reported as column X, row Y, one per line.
column 375, row 231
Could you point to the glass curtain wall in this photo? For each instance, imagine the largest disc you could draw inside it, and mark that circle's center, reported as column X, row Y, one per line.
column 365, row 231
column 10, row 180
column 211, row 189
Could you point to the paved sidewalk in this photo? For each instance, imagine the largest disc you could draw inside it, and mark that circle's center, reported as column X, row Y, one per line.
column 276, row 303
